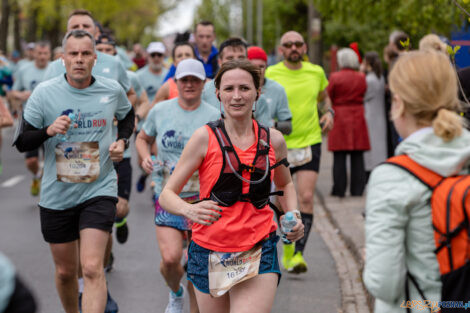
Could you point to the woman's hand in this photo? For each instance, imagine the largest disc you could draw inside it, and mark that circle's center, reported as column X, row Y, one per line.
column 297, row 231
column 204, row 212
column 147, row 165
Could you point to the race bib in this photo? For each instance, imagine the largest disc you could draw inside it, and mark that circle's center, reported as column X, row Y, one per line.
column 299, row 157
column 77, row 162
column 228, row 269
column 191, row 186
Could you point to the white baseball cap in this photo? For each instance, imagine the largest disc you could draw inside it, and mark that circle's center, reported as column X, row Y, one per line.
column 190, row 67
column 156, row 46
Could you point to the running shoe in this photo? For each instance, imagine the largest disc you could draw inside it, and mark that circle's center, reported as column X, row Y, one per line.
column 111, row 305
column 35, row 185
column 141, row 183
column 122, row 231
column 298, row 263
column 109, row 267
column 288, row 253
column 175, row 305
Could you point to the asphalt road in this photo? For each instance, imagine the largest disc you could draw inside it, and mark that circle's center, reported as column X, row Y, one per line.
column 135, row 282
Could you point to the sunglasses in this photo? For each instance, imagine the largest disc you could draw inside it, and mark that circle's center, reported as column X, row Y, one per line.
column 289, row 44
column 156, row 54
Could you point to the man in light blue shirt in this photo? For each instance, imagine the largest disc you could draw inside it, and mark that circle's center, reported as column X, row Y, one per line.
column 151, row 76
column 72, row 114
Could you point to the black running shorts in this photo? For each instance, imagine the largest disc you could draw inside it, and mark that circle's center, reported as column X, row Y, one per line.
column 314, row 164
column 124, row 174
column 60, row 226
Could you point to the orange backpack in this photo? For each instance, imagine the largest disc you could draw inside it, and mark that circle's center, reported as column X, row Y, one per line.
column 450, row 208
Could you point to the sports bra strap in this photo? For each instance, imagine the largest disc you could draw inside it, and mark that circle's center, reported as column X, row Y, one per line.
column 425, row 175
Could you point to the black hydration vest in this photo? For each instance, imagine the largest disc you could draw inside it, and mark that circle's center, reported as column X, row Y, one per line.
column 228, row 188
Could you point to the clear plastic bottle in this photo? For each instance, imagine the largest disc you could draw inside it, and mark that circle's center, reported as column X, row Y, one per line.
column 157, row 166
column 287, row 223
column 66, row 136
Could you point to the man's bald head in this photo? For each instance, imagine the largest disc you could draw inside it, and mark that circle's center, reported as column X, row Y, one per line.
column 291, row 35
column 292, row 47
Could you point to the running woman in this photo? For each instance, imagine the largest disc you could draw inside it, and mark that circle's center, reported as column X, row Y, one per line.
column 171, row 123
column 233, row 259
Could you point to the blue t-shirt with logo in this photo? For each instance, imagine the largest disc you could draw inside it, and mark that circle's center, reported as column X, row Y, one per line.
column 151, row 82
column 87, row 146
column 173, row 126
column 106, row 65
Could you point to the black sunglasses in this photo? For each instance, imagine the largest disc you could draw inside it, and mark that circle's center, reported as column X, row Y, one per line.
column 289, row 44
column 156, row 54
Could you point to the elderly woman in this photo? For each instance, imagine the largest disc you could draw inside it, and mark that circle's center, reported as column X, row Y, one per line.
column 349, row 135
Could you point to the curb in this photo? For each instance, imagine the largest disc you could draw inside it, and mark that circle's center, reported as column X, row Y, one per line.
column 349, row 264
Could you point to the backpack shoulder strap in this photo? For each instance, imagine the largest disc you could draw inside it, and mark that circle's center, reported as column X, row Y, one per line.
column 425, row 175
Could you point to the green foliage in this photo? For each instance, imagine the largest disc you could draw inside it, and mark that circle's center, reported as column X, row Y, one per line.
column 369, row 22
column 127, row 18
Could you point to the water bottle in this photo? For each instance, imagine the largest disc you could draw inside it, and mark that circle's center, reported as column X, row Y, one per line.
column 287, row 224
column 157, row 165
column 66, row 136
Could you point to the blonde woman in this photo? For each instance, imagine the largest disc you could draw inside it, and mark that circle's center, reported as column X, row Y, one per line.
column 399, row 232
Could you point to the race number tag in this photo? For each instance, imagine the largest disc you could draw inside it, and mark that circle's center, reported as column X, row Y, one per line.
column 299, row 157
column 191, row 186
column 77, row 162
column 228, row 269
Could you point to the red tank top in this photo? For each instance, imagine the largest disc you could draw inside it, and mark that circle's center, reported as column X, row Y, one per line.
column 172, row 89
column 241, row 225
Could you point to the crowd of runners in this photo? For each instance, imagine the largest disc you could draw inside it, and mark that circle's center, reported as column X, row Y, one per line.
column 230, row 145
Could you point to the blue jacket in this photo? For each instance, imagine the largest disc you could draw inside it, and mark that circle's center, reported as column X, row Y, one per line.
column 211, row 67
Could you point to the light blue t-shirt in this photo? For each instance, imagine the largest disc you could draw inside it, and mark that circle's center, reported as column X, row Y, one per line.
column 28, row 77
column 272, row 104
column 106, row 66
column 19, row 65
column 208, row 95
column 95, row 106
column 151, row 82
column 172, row 126
column 124, row 58
column 135, row 82
column 7, row 281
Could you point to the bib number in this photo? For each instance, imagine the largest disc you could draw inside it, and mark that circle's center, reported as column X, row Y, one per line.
column 299, row 157
column 228, row 269
column 77, row 162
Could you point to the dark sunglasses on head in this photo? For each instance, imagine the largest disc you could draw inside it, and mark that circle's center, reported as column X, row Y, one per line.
column 289, row 44
column 156, row 54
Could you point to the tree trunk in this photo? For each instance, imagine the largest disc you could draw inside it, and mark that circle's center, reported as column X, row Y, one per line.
column 314, row 40
column 55, row 32
column 16, row 25
column 4, row 25
column 31, row 34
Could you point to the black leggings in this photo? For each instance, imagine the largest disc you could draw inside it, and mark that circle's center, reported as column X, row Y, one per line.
column 340, row 176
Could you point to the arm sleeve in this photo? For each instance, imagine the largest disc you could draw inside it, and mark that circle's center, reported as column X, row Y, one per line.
column 388, row 201
column 126, row 125
column 285, row 127
column 29, row 137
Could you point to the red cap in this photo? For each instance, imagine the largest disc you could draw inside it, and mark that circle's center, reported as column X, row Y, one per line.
column 257, row 53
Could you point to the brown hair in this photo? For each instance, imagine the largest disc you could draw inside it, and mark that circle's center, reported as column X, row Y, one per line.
column 81, row 12
column 241, row 64
column 427, row 84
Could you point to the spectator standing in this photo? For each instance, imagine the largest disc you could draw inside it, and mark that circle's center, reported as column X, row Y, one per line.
column 349, row 135
column 374, row 105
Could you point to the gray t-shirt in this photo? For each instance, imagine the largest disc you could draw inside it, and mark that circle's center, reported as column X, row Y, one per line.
column 77, row 168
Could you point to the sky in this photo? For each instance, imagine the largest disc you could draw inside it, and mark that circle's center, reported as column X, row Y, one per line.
column 178, row 19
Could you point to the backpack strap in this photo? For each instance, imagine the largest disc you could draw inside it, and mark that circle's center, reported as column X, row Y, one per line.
column 425, row 175
column 409, row 278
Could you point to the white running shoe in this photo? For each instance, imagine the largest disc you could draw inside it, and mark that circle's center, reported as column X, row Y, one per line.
column 175, row 305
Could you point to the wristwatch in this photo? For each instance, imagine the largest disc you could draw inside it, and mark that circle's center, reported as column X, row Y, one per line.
column 332, row 111
column 126, row 142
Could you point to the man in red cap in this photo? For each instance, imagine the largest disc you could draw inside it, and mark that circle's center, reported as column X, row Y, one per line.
column 272, row 108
